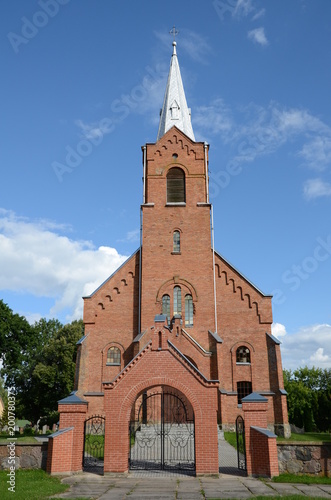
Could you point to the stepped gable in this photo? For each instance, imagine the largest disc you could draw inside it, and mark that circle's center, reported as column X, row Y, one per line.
column 243, row 290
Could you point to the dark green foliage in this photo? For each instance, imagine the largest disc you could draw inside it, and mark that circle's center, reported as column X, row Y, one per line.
column 38, row 361
column 309, row 398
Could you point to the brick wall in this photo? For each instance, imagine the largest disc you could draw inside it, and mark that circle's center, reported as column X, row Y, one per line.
column 60, row 452
column 264, row 459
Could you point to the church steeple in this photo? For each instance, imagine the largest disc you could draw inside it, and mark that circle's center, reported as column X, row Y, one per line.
column 175, row 110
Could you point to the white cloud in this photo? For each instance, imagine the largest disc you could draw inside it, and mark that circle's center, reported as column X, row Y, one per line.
column 144, row 98
column 191, row 42
column 315, row 188
column 258, row 15
column 310, row 346
column 36, row 259
column 278, row 330
column 243, row 8
column 93, row 130
column 132, row 236
column 215, row 118
column 252, row 131
column 258, row 36
column 317, row 152
column 319, row 357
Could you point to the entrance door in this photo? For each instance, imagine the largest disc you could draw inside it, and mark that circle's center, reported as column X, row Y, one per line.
column 162, row 434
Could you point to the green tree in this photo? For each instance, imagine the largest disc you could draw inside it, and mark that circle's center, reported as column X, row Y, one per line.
column 38, row 360
column 4, row 397
column 309, row 397
column 15, row 343
column 54, row 371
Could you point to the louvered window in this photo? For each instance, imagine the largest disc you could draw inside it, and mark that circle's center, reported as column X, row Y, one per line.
column 188, row 310
column 177, row 300
column 243, row 355
column 176, row 186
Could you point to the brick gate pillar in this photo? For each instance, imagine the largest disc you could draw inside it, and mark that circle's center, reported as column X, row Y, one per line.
column 261, row 446
column 72, row 419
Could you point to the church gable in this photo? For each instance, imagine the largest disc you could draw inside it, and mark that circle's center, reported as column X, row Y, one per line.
column 175, row 138
column 242, row 293
column 119, row 287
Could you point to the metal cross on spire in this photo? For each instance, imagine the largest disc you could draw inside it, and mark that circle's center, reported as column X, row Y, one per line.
column 174, row 32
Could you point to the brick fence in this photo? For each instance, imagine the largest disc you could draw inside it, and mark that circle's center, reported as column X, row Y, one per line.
column 28, row 456
column 304, row 458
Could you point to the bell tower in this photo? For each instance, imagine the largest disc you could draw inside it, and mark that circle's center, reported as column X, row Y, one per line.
column 176, row 258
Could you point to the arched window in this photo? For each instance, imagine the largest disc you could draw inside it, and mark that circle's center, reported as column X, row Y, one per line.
column 177, row 300
column 176, row 186
column 243, row 355
column 243, row 389
column 176, row 242
column 113, row 356
column 166, row 306
column 188, row 310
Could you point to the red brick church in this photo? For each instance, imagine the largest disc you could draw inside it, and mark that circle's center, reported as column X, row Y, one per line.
column 177, row 337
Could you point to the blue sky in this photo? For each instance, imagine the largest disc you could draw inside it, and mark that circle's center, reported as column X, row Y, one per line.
column 82, row 85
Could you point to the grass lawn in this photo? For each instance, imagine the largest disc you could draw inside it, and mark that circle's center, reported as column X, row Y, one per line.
column 231, row 438
column 31, row 485
column 21, row 439
column 308, row 436
column 304, row 479
column 319, row 437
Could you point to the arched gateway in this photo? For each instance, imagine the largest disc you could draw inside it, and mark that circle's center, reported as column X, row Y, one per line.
column 162, row 432
column 156, row 411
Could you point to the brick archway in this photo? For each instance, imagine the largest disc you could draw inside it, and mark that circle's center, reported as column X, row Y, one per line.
column 153, row 382
column 121, row 394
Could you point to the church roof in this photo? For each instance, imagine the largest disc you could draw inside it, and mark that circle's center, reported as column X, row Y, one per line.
column 174, row 110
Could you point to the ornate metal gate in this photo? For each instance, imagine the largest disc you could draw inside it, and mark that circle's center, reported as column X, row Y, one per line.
column 94, row 442
column 241, row 448
column 162, row 435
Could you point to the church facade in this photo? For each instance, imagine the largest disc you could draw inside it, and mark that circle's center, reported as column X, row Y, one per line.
column 176, row 319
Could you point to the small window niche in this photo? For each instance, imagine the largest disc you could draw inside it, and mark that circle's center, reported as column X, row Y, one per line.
column 177, row 300
column 114, row 356
column 188, row 310
column 166, row 307
column 176, row 242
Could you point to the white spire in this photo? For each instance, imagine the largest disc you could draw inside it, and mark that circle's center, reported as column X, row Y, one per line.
column 175, row 110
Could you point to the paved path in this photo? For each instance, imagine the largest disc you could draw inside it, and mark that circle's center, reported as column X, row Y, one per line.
column 161, row 486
